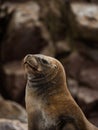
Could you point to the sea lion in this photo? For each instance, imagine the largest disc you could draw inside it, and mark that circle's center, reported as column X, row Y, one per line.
column 49, row 104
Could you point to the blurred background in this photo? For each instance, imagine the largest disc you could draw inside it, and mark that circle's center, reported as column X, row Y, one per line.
column 66, row 30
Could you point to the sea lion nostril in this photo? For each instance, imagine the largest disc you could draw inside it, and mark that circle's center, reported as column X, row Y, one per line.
column 27, row 58
column 30, row 60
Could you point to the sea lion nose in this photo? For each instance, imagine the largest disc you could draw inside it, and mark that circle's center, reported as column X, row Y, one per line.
column 31, row 60
column 27, row 58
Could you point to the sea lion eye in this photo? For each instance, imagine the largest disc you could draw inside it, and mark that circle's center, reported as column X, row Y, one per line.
column 44, row 61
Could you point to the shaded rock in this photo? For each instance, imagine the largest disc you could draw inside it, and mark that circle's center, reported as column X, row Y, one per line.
column 16, row 1
column 12, row 125
column 1, row 79
column 89, row 76
column 5, row 16
column 87, row 95
column 94, row 119
column 73, row 64
column 84, row 21
column 12, row 110
column 78, row 0
column 53, row 14
column 14, row 81
column 49, row 50
column 89, row 1
column 87, row 100
column 92, row 54
column 62, row 48
column 94, row 1
column 73, row 87
column 88, row 50
column 24, row 34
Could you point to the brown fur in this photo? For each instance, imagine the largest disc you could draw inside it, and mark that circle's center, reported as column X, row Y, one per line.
column 49, row 104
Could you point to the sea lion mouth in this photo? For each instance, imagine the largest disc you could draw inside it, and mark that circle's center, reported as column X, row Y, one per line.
column 31, row 62
column 31, row 66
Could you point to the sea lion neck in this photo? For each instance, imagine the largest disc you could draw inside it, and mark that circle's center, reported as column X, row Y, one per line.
column 46, row 85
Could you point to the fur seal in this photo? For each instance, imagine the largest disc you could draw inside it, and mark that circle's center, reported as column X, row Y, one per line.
column 49, row 104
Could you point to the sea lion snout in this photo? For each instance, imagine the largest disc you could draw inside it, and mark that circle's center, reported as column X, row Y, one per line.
column 30, row 62
column 27, row 58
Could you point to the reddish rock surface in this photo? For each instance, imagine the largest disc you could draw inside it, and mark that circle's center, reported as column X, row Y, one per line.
column 85, row 22
column 12, row 110
column 73, row 64
column 89, row 77
column 14, row 81
column 24, row 33
column 12, row 125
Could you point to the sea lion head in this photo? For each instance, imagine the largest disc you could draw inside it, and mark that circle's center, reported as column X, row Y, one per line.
column 43, row 69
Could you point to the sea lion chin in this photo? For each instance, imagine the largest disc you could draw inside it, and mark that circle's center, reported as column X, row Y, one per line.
column 49, row 103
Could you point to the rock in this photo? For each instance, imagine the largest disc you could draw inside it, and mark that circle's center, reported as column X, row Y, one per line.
column 24, row 34
column 1, row 79
column 92, row 54
column 53, row 14
column 16, row 1
column 49, row 50
column 94, row 121
column 89, row 76
column 73, row 64
column 94, row 1
column 62, row 48
column 12, row 125
column 14, row 80
column 11, row 110
column 73, row 87
column 78, row 0
column 84, row 21
column 89, row 1
column 88, row 50
column 5, row 16
column 87, row 95
column 87, row 99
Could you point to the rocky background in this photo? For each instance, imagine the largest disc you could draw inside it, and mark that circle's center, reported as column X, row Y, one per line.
column 67, row 30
